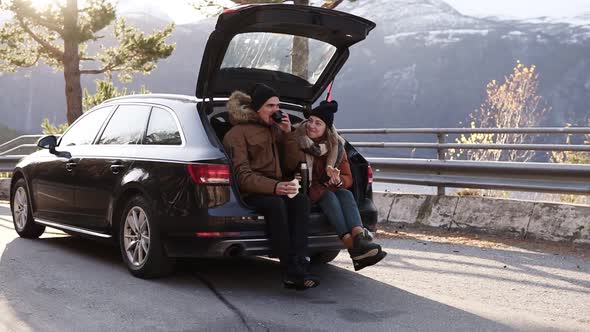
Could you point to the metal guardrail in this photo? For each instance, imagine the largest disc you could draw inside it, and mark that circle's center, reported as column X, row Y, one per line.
column 536, row 130
column 445, row 146
column 537, row 177
column 15, row 149
column 16, row 142
column 442, row 145
column 525, row 176
column 7, row 163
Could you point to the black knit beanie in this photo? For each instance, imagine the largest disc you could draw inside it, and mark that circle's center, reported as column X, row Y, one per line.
column 325, row 111
column 260, row 93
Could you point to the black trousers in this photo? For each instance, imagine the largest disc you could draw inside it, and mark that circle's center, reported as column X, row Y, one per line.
column 286, row 219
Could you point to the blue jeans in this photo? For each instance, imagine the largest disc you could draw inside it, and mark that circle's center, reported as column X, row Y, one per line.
column 341, row 210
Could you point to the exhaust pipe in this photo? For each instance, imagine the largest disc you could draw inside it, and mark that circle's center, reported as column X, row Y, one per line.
column 234, row 250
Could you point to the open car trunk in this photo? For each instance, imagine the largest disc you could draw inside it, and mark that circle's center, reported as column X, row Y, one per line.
column 216, row 119
column 297, row 50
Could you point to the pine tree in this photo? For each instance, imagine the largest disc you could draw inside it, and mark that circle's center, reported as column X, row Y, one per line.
column 105, row 89
column 59, row 34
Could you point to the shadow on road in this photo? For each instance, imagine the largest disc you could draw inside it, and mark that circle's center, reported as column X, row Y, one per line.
column 70, row 283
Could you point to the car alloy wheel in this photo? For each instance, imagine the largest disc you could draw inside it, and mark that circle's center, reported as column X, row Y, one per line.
column 21, row 209
column 22, row 215
column 140, row 240
column 136, row 234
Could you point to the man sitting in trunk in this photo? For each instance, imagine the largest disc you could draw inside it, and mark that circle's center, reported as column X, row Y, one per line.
column 253, row 146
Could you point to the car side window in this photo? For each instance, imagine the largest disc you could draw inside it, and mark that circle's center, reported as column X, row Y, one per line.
column 162, row 129
column 126, row 126
column 85, row 130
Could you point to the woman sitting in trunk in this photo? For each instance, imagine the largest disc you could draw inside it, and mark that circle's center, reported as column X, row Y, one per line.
column 317, row 143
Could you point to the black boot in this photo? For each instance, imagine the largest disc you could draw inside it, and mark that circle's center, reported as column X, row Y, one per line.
column 364, row 252
column 298, row 276
column 290, row 272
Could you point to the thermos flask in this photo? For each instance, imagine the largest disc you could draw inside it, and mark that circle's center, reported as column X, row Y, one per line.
column 304, row 171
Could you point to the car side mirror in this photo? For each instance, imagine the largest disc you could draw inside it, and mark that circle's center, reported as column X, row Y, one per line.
column 48, row 142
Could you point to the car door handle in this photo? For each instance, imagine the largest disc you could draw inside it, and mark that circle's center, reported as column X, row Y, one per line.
column 116, row 168
column 70, row 165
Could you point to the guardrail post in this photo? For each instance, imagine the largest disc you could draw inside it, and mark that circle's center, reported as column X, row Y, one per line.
column 441, row 152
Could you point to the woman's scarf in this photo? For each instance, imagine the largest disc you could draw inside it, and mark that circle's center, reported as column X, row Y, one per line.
column 333, row 146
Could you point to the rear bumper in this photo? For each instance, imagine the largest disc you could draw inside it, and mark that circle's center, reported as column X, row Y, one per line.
column 181, row 240
column 226, row 247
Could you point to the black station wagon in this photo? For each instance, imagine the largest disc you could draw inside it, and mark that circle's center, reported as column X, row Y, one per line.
column 149, row 172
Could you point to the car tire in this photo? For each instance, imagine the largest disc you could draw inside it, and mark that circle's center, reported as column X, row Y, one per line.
column 140, row 241
column 324, row 257
column 22, row 215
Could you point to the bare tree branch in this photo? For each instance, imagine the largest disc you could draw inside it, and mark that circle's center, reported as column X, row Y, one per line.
column 92, row 71
column 97, row 71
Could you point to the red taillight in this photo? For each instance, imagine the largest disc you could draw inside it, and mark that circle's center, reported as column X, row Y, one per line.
column 369, row 175
column 209, row 173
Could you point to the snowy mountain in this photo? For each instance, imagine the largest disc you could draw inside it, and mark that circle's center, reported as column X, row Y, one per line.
column 425, row 65
column 549, row 11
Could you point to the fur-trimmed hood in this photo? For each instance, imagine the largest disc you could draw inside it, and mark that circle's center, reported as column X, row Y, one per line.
column 239, row 109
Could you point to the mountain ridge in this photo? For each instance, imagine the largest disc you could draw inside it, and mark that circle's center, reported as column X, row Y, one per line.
column 425, row 65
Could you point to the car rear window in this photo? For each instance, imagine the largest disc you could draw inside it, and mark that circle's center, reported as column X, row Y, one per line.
column 126, row 126
column 300, row 56
column 162, row 129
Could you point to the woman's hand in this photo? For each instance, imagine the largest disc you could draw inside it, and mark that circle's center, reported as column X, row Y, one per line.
column 286, row 188
column 336, row 182
column 285, row 124
column 334, row 174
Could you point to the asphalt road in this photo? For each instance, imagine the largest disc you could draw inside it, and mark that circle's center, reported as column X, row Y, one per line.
column 63, row 283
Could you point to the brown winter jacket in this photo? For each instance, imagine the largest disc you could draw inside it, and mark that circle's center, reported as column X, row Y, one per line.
column 335, row 157
column 252, row 145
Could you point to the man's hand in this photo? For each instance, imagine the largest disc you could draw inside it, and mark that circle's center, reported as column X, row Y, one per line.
column 286, row 188
column 285, row 124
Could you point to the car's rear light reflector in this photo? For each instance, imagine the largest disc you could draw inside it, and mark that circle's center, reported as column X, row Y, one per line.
column 209, row 173
column 369, row 175
column 218, row 234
